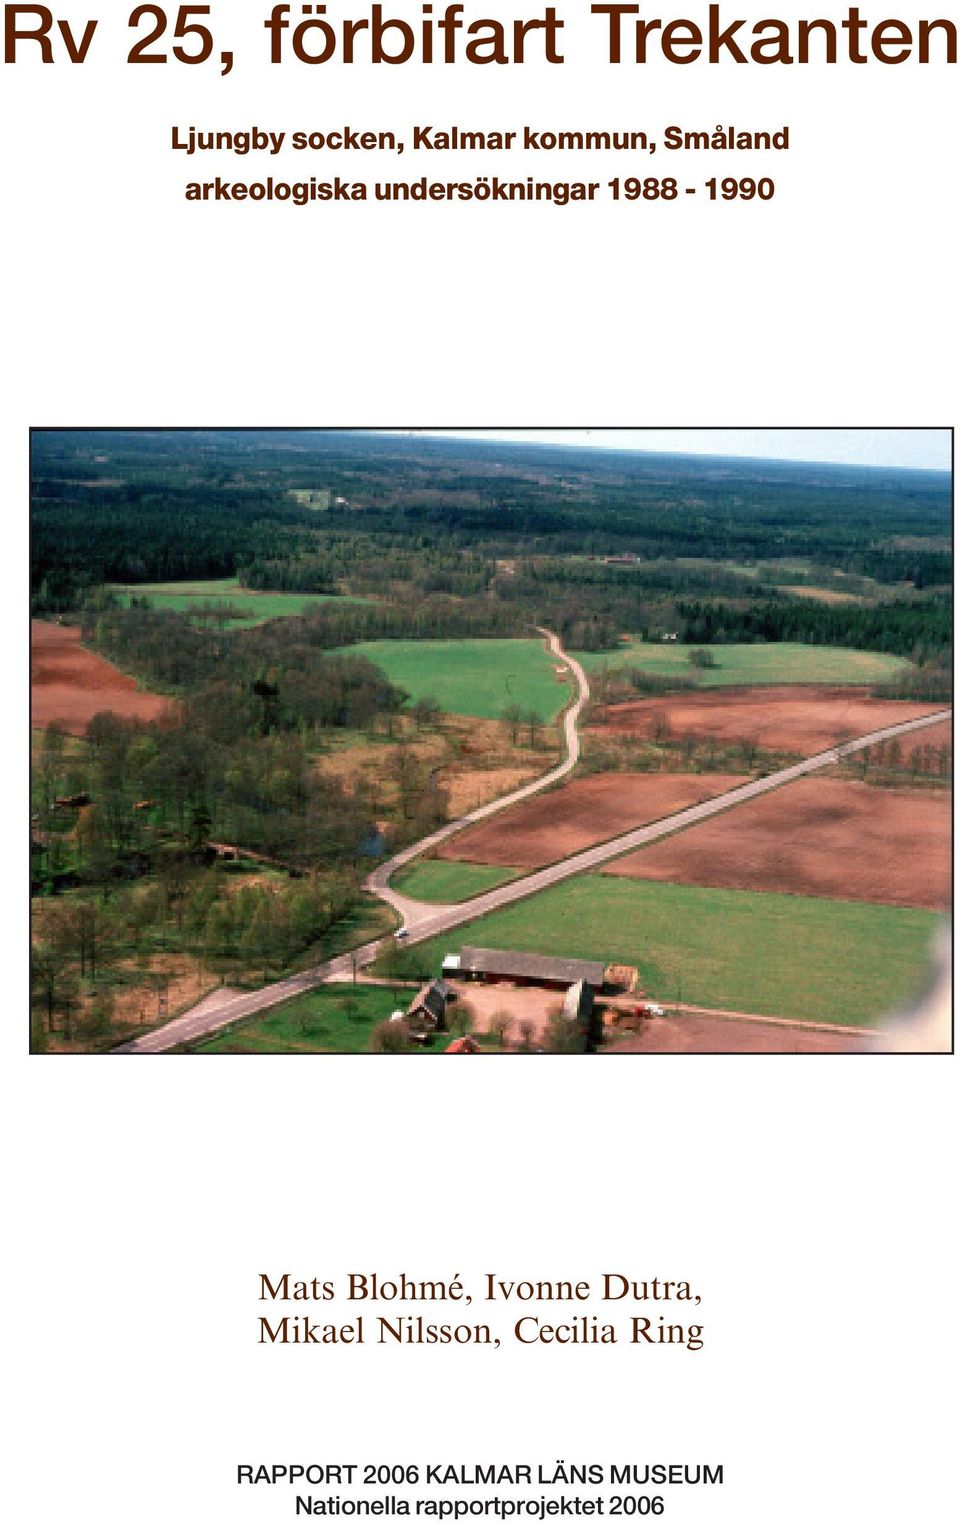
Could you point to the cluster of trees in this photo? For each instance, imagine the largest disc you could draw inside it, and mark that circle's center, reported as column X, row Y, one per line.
column 153, row 797
column 276, row 677
column 931, row 682
column 920, row 628
column 372, row 564
column 896, row 757
column 616, row 578
column 620, row 684
column 520, row 722
column 82, row 942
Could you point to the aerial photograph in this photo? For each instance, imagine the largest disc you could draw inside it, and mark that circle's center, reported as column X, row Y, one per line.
column 599, row 742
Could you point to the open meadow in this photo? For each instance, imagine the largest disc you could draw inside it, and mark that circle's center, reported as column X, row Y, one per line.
column 747, row 664
column 437, row 882
column 202, row 599
column 478, row 677
column 338, row 1018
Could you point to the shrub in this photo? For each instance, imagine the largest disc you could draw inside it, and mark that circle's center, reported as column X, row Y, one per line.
column 390, row 1036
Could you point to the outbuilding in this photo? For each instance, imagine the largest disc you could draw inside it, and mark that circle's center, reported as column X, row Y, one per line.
column 491, row 966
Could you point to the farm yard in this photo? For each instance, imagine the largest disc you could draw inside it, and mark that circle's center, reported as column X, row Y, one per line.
column 69, row 684
column 759, row 953
column 205, row 599
column 474, row 677
column 564, row 820
column 799, row 722
column 742, row 665
column 819, row 837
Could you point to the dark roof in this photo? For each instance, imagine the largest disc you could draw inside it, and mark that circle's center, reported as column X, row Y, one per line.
column 433, row 997
column 568, row 970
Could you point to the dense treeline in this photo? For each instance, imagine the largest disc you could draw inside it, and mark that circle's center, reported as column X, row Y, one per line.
column 269, row 679
column 930, row 683
column 591, row 603
column 650, row 577
column 917, row 628
column 365, row 564
column 281, row 510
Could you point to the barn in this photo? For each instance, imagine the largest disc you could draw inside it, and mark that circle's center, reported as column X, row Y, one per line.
column 492, row 966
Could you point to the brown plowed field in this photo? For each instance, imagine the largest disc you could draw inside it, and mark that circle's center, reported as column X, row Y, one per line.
column 820, row 837
column 69, row 684
column 566, row 820
column 800, row 721
column 705, row 1033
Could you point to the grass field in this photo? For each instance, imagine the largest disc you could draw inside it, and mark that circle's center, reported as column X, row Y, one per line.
column 338, row 1018
column 764, row 954
column 475, row 677
column 439, row 882
column 256, row 607
column 752, row 664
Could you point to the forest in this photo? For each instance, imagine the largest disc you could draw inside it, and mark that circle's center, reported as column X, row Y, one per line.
column 465, row 537
column 293, row 508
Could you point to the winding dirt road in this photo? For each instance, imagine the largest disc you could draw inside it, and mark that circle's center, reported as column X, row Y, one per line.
column 412, row 911
column 422, row 921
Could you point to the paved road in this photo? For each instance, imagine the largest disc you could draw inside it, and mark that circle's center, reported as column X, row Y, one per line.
column 438, row 918
column 413, row 911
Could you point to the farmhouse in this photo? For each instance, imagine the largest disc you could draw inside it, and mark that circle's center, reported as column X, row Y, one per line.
column 429, row 1007
column 491, row 966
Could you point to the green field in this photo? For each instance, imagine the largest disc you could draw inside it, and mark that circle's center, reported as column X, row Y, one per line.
column 439, row 882
column 475, row 677
column 752, row 664
column 338, row 1018
column 765, row 954
column 256, row 607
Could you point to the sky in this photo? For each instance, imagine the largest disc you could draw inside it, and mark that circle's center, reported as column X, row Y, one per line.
column 924, row 448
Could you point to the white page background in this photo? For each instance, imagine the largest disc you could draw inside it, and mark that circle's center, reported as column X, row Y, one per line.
column 807, row 1200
